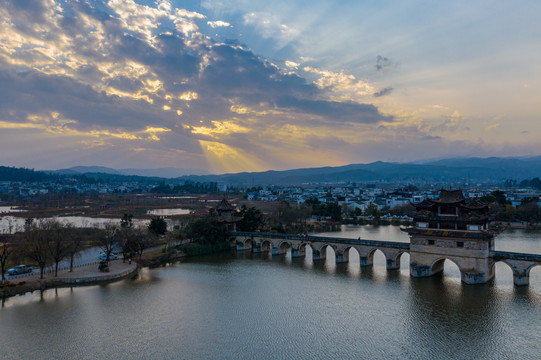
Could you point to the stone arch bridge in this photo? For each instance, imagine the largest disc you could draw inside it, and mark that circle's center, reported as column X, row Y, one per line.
column 475, row 267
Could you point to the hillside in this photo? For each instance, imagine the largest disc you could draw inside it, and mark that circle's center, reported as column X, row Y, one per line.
column 490, row 170
column 446, row 171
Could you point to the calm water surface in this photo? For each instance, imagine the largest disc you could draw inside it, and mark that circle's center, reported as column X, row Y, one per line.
column 12, row 224
column 244, row 306
column 168, row 212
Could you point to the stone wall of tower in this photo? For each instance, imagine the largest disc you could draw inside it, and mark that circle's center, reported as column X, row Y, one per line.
column 472, row 257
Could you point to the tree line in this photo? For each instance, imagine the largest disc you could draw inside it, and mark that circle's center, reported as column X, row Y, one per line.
column 189, row 187
column 48, row 242
column 501, row 209
column 534, row 183
column 22, row 174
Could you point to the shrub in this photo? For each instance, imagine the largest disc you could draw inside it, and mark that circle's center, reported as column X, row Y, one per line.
column 194, row 249
column 103, row 267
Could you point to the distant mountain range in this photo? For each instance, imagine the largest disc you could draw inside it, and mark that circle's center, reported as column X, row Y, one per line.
column 456, row 170
column 159, row 172
column 447, row 171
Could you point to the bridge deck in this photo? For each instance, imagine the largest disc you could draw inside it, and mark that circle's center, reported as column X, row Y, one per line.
column 516, row 256
column 326, row 239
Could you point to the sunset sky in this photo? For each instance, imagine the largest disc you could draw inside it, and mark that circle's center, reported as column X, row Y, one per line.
column 250, row 85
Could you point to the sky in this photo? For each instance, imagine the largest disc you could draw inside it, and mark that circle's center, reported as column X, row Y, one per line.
column 230, row 86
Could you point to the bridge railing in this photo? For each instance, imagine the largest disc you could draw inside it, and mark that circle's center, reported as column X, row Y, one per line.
column 515, row 256
column 325, row 239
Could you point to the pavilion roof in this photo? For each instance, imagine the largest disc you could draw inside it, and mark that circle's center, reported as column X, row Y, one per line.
column 450, row 196
column 224, row 205
column 474, row 204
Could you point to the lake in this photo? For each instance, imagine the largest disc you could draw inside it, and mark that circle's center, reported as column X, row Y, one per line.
column 254, row 306
column 169, row 212
column 11, row 224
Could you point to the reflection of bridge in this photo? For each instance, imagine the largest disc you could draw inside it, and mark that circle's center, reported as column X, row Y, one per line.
column 475, row 265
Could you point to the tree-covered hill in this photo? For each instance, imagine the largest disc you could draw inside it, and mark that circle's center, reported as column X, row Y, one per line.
column 22, row 174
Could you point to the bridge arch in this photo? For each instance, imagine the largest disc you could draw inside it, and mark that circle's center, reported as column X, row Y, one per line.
column 284, row 246
column 347, row 252
column 325, row 247
column 529, row 269
column 394, row 259
column 303, row 245
column 319, row 251
column 266, row 246
column 301, row 251
column 437, row 266
column 521, row 270
column 535, row 273
column 505, row 271
column 248, row 244
column 373, row 253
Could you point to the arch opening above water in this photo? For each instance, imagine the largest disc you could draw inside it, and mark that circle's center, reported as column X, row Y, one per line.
column 453, row 268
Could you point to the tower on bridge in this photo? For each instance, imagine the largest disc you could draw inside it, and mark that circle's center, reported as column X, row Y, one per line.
column 455, row 228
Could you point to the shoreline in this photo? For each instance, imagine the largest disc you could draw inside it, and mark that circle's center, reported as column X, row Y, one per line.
column 83, row 276
column 87, row 275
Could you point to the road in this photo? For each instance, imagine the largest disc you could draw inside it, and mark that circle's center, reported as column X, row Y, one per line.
column 87, row 256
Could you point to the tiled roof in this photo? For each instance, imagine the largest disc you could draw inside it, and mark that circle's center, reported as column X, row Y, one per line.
column 224, row 205
column 450, row 196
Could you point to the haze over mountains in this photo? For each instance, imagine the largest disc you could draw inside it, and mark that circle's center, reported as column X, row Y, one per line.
column 158, row 172
column 485, row 170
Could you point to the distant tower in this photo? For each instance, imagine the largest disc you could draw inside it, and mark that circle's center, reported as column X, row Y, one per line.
column 455, row 228
column 226, row 214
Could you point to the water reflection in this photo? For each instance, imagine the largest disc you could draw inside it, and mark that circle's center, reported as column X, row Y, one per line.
column 248, row 305
column 10, row 209
column 480, row 317
column 11, row 224
column 168, row 212
column 308, row 261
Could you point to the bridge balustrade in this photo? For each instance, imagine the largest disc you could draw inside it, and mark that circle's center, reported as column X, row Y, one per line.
column 324, row 239
column 426, row 262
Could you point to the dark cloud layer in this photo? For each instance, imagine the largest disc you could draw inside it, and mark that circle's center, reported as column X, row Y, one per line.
column 230, row 73
column 383, row 92
column 332, row 110
column 35, row 93
column 382, row 62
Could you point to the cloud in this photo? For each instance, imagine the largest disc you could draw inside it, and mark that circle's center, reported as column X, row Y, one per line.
column 269, row 25
column 383, row 92
column 430, row 137
column 382, row 63
column 119, row 74
column 291, row 64
column 344, row 84
column 218, row 23
column 335, row 111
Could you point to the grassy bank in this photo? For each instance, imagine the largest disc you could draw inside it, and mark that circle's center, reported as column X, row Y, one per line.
column 196, row 249
column 176, row 253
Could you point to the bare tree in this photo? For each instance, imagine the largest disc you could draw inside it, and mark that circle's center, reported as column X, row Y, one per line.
column 74, row 242
column 35, row 246
column 57, row 244
column 125, row 239
column 108, row 239
column 5, row 251
column 142, row 239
